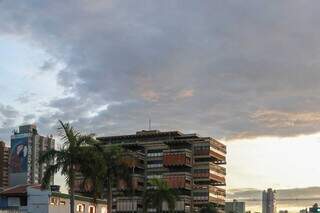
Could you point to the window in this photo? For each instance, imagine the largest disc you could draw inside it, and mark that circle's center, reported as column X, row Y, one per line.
column 54, row 201
column 154, row 161
column 92, row 209
column 81, row 207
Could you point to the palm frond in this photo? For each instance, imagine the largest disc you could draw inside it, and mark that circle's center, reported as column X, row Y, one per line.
column 48, row 174
column 48, row 156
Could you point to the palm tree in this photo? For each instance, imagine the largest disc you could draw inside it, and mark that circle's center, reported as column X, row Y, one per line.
column 209, row 208
column 158, row 193
column 66, row 159
column 93, row 170
column 115, row 168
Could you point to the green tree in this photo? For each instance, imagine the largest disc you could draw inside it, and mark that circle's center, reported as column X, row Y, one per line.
column 112, row 157
column 209, row 208
column 158, row 193
column 65, row 159
column 94, row 171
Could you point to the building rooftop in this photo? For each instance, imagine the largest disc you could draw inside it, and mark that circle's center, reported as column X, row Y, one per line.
column 142, row 134
column 18, row 190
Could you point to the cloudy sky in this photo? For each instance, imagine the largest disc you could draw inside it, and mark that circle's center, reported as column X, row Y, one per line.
column 245, row 72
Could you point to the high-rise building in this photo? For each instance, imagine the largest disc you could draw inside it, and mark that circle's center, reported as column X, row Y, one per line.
column 235, row 207
column 4, row 165
column 190, row 164
column 269, row 201
column 26, row 148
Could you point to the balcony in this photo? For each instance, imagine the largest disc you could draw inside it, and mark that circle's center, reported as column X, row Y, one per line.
column 179, row 181
column 134, row 159
column 203, row 195
column 210, row 152
column 129, row 204
column 177, row 157
column 215, row 175
column 137, row 184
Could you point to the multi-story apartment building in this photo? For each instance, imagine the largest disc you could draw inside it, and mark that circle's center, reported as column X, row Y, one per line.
column 4, row 165
column 26, row 148
column 269, row 201
column 190, row 164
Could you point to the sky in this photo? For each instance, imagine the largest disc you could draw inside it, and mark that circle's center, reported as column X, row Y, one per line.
column 245, row 72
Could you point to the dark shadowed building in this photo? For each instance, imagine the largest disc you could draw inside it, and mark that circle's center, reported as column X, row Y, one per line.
column 190, row 164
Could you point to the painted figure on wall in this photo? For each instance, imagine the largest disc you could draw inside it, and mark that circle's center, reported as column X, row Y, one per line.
column 19, row 155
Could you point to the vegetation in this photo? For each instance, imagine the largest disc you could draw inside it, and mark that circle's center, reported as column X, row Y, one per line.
column 101, row 166
column 109, row 169
column 66, row 159
column 209, row 208
column 159, row 193
column 94, row 172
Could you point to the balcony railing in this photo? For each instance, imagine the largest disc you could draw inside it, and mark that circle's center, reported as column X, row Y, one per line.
column 136, row 184
column 177, row 158
column 210, row 152
column 179, row 181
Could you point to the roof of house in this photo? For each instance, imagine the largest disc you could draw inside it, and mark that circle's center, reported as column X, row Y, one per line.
column 19, row 190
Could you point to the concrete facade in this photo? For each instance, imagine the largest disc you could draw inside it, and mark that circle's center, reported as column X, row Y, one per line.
column 4, row 165
column 26, row 148
column 269, row 201
column 191, row 165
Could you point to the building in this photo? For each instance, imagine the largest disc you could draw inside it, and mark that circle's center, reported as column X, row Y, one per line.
column 192, row 165
column 4, row 165
column 30, row 198
column 269, row 201
column 303, row 210
column 26, row 147
column 235, row 207
column 314, row 209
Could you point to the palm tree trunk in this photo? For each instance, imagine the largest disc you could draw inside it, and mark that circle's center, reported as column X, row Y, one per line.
column 109, row 191
column 71, row 187
column 72, row 200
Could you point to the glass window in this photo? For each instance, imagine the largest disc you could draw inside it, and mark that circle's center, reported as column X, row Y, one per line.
column 92, row 209
column 54, row 201
column 80, row 207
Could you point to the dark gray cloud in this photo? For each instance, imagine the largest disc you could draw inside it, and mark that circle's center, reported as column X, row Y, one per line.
column 221, row 68
column 295, row 193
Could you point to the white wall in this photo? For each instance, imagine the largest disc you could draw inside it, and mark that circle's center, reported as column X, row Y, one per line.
column 13, row 201
column 66, row 208
column 38, row 201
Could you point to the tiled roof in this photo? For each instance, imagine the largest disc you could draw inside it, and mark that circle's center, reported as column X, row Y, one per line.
column 18, row 190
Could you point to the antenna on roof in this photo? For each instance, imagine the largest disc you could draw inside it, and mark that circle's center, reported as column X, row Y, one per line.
column 149, row 124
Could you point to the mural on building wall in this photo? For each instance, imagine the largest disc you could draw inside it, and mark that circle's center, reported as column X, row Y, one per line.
column 19, row 155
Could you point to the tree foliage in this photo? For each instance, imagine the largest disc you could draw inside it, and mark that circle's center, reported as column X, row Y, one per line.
column 158, row 193
column 65, row 159
column 209, row 208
